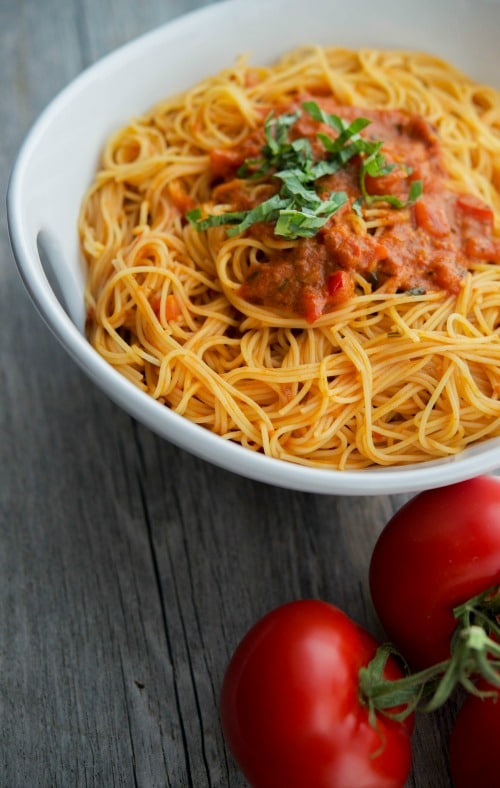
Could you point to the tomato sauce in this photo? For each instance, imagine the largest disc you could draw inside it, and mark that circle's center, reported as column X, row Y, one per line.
column 421, row 247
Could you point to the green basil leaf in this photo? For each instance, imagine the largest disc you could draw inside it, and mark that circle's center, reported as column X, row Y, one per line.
column 267, row 211
column 298, row 210
column 416, row 191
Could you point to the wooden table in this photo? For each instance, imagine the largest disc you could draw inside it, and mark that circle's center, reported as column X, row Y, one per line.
column 130, row 569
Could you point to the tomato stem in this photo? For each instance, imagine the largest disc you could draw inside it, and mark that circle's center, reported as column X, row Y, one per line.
column 474, row 653
column 483, row 609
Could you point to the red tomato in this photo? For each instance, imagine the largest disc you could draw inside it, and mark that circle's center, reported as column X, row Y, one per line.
column 224, row 161
column 474, row 743
column 313, row 304
column 290, row 708
column 476, row 208
column 394, row 182
column 431, row 216
column 439, row 550
column 336, row 282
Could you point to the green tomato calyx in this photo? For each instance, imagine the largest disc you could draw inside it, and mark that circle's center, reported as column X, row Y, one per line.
column 474, row 654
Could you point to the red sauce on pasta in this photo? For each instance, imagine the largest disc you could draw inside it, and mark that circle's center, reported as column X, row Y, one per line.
column 421, row 247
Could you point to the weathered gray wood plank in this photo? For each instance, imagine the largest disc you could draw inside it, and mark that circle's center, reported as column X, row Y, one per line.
column 129, row 569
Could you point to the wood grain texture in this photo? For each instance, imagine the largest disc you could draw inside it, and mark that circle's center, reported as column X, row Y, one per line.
column 130, row 569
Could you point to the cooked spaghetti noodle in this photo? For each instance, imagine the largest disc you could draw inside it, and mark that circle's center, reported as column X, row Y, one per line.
column 380, row 377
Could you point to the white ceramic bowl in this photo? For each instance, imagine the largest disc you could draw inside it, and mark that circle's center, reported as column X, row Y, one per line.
column 57, row 161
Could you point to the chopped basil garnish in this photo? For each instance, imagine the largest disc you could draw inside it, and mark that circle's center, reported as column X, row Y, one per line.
column 297, row 210
column 375, row 165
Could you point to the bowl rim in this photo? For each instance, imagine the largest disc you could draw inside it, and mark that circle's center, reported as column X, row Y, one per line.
column 376, row 480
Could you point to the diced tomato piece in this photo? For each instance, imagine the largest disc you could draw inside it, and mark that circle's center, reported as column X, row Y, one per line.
column 431, row 216
column 393, row 183
column 313, row 304
column 483, row 248
column 340, row 286
column 472, row 205
column 335, row 282
column 224, row 161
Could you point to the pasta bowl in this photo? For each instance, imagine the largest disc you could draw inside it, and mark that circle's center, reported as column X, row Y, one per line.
column 58, row 159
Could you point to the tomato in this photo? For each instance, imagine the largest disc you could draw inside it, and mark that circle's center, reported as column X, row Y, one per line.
column 476, row 208
column 290, row 708
column 394, row 182
column 336, row 282
column 225, row 161
column 313, row 303
column 430, row 215
column 474, row 743
column 439, row 550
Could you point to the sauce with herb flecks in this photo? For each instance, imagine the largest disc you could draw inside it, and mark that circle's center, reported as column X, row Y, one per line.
column 397, row 237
